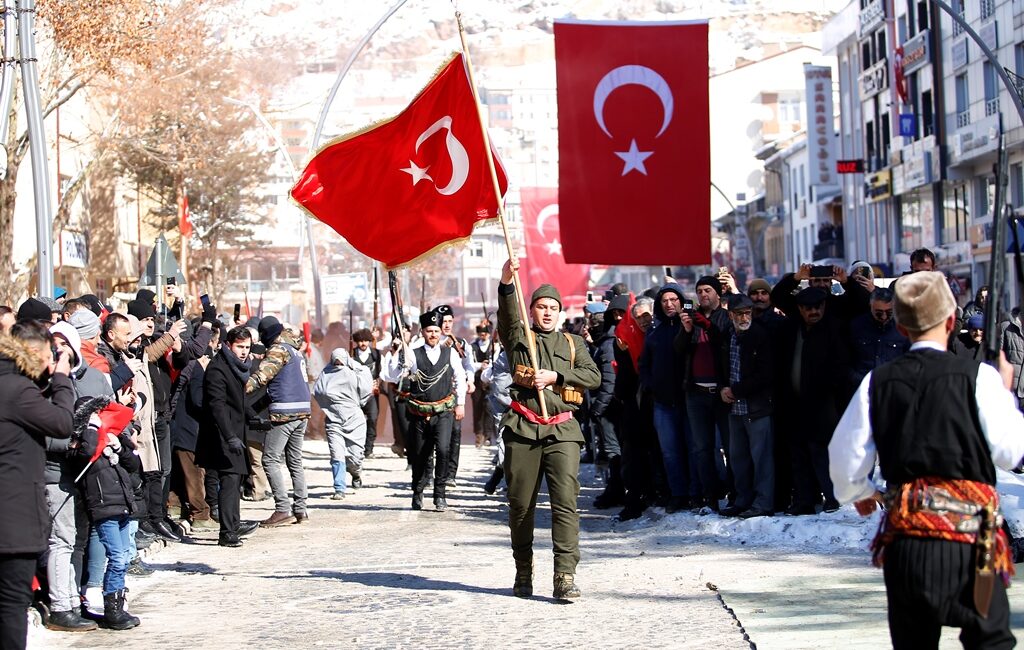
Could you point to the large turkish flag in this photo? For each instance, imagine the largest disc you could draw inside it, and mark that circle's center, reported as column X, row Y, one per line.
column 633, row 143
column 544, row 261
column 401, row 190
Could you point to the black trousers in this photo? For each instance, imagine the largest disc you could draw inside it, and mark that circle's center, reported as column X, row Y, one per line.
column 230, row 499
column 430, row 436
column 211, row 481
column 399, row 418
column 930, row 583
column 371, row 410
column 454, row 447
column 16, row 571
column 810, row 472
column 643, row 471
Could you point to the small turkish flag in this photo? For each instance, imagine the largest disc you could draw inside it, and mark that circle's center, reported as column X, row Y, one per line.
column 544, row 260
column 419, row 181
column 633, row 142
column 184, row 217
column 115, row 418
column 630, row 335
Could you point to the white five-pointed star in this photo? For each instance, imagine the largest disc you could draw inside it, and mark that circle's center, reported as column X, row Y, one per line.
column 554, row 247
column 417, row 173
column 634, row 159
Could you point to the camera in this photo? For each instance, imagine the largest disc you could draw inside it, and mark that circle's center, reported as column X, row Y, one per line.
column 822, row 272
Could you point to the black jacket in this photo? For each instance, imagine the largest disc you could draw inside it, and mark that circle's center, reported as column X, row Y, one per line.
column 967, row 348
column 26, row 418
column 854, row 301
column 660, row 370
column 812, row 410
column 109, row 489
column 224, row 418
column 718, row 336
column 603, row 352
column 757, row 370
column 872, row 346
column 188, row 407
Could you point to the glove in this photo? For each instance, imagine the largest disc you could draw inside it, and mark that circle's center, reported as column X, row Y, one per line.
column 111, row 455
column 209, row 314
column 236, row 445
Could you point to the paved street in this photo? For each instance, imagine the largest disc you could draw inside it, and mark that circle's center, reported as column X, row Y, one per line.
column 370, row 573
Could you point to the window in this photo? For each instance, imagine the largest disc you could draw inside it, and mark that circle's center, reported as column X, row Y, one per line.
column 803, row 185
column 1018, row 57
column 477, row 287
column 475, row 249
column 963, row 115
column 789, row 111
column 927, row 116
column 958, row 7
column 869, row 151
column 1017, row 185
column 984, row 189
column 922, row 16
column 885, row 133
column 988, row 9
column 956, row 213
column 880, row 49
column 865, row 55
column 901, row 29
column 910, row 215
column 991, row 89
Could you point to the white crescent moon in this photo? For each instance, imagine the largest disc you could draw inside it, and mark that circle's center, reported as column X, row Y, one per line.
column 633, row 75
column 457, row 153
column 543, row 215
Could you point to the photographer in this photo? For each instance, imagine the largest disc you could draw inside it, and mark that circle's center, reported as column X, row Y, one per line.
column 26, row 362
column 854, row 300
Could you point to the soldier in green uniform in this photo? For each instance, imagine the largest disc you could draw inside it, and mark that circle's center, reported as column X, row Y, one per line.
column 538, row 447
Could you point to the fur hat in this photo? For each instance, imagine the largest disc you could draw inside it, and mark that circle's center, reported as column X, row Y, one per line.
column 923, row 300
column 431, row 318
column 444, row 310
column 546, row 291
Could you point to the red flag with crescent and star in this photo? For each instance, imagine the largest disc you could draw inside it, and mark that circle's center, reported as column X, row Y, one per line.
column 402, row 189
column 544, row 262
column 633, row 142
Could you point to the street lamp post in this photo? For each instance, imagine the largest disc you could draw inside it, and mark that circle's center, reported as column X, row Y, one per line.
column 283, row 150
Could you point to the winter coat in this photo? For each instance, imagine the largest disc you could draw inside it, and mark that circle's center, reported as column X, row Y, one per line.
column 660, row 369
column 25, row 420
column 854, row 301
column 108, row 488
column 341, row 391
column 109, row 362
column 145, row 415
column 1013, row 346
column 757, row 370
column 813, row 410
column 603, row 352
column 188, row 407
column 224, row 417
column 871, row 346
column 967, row 348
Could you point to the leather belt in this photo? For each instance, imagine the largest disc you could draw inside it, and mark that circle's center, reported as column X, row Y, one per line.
column 707, row 390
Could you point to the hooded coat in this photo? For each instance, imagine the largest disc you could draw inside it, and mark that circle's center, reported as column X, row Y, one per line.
column 25, row 420
column 108, row 488
column 341, row 391
column 660, row 369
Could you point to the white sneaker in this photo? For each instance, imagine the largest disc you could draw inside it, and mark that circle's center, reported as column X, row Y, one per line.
column 93, row 600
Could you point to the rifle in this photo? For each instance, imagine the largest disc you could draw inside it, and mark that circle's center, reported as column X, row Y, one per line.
column 351, row 341
column 376, row 297
column 397, row 320
column 483, row 303
column 997, row 267
column 423, row 293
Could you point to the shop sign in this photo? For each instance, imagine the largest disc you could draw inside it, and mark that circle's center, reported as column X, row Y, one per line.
column 874, row 80
column 917, row 169
column 878, row 186
column 871, row 16
column 74, row 249
column 916, row 53
column 820, row 125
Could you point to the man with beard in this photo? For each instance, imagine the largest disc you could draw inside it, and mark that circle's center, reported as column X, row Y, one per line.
column 746, row 380
column 760, row 293
column 537, row 446
column 874, row 338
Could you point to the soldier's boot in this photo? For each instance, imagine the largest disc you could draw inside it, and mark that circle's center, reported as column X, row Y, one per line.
column 565, row 587
column 523, row 587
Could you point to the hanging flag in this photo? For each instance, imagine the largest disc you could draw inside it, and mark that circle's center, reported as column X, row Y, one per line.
column 544, row 261
column 415, row 183
column 633, row 142
column 184, row 217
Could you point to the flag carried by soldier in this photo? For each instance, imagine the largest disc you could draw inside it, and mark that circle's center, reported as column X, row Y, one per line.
column 411, row 185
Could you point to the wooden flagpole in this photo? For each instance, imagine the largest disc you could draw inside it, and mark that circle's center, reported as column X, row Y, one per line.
column 524, row 316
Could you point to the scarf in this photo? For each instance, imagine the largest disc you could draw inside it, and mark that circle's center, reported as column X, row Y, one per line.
column 241, row 369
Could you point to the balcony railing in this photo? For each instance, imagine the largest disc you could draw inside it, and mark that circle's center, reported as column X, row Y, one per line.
column 963, row 118
column 991, row 106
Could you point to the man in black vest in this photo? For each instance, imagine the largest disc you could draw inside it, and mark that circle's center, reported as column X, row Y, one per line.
column 366, row 355
column 464, row 357
column 939, row 425
column 437, row 393
column 484, row 351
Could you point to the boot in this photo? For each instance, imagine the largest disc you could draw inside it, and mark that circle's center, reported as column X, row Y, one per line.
column 114, row 616
column 492, row 483
column 565, row 587
column 523, row 586
column 69, row 621
column 417, row 501
column 479, row 440
column 613, row 493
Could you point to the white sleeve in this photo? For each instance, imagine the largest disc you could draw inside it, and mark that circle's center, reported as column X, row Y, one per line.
column 460, row 378
column 851, row 454
column 391, row 368
column 1001, row 421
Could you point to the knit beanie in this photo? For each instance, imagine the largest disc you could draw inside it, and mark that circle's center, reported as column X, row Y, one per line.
column 141, row 309
column 758, row 284
column 269, row 329
column 33, row 309
column 546, row 291
column 712, row 282
column 86, row 323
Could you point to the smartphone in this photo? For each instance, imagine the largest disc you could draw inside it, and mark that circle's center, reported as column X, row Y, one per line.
column 590, row 296
column 822, row 272
column 238, row 311
column 171, row 280
column 668, row 271
column 688, row 306
column 723, row 270
column 205, row 299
